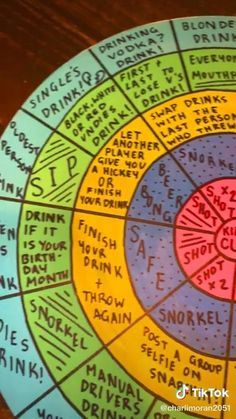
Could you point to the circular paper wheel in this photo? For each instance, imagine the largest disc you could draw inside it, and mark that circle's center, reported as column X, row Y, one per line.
column 118, row 231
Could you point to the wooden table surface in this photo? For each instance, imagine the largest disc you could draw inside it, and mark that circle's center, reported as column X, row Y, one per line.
column 37, row 36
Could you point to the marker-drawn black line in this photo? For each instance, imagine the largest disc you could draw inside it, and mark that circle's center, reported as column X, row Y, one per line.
column 211, row 87
column 63, row 307
column 198, row 217
column 35, row 290
column 151, row 407
column 51, row 149
column 168, row 152
column 54, row 346
column 56, row 357
column 55, row 336
column 58, row 187
column 52, row 161
column 56, row 141
column 63, row 299
column 232, row 317
column 64, row 197
column 64, row 190
column 54, row 154
column 54, row 130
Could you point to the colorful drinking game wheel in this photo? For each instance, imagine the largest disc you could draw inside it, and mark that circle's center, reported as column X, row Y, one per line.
column 118, row 231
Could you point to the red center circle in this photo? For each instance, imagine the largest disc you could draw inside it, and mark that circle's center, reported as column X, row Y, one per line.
column 205, row 238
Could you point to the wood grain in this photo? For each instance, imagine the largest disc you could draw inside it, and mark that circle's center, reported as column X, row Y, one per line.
column 37, row 36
